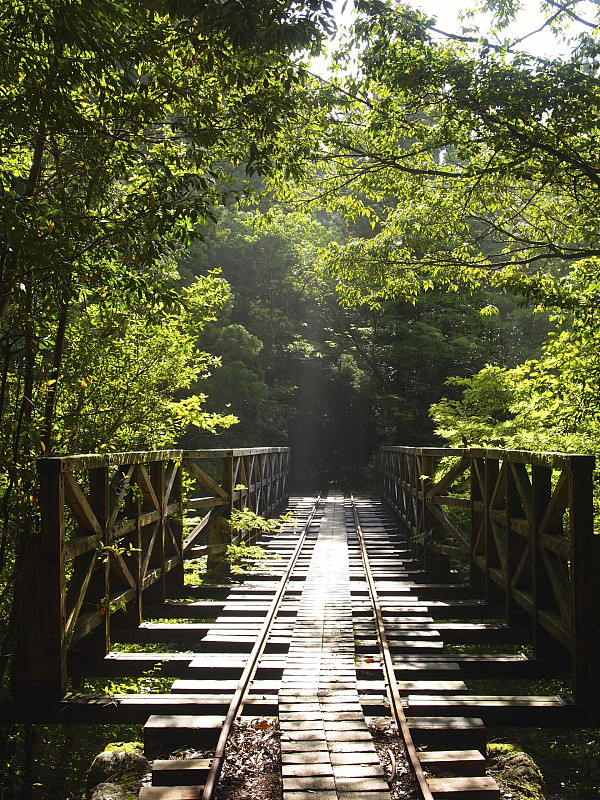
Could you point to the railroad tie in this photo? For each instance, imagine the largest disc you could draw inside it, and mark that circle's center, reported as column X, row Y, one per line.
column 327, row 750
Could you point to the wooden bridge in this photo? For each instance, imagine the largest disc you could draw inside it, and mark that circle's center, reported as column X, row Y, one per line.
column 479, row 564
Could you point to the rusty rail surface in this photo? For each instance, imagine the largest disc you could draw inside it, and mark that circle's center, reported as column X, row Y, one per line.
column 520, row 525
column 387, row 665
column 238, row 699
column 114, row 531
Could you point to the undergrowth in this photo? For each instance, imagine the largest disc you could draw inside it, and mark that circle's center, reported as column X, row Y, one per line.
column 51, row 761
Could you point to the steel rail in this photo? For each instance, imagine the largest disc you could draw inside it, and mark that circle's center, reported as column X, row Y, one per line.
column 388, row 668
column 241, row 691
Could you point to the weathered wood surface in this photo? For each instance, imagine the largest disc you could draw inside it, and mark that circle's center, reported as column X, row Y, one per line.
column 523, row 524
column 112, row 538
column 443, row 711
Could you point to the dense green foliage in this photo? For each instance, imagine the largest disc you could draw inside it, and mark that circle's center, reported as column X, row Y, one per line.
column 335, row 381
column 469, row 160
column 430, row 178
column 474, row 163
column 546, row 403
column 122, row 126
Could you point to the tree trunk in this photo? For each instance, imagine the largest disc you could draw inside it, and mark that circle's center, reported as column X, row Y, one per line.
column 50, row 404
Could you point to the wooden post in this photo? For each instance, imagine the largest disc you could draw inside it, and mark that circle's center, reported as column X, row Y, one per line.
column 216, row 534
column 40, row 666
column 277, row 467
column 398, row 469
column 392, row 476
column 476, row 522
column 544, row 645
column 510, row 504
column 585, row 582
column 405, row 487
column 515, row 547
column 157, row 478
column 251, row 484
column 287, row 472
column 93, row 647
column 437, row 565
column 135, row 611
column 275, row 483
column 227, row 482
column 130, row 616
column 410, row 490
column 174, row 523
column 424, row 482
column 492, row 471
column 268, row 487
column 216, row 537
column 261, row 494
column 389, row 484
column 98, row 644
column 386, row 478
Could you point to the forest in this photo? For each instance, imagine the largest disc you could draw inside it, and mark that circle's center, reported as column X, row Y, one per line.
column 206, row 243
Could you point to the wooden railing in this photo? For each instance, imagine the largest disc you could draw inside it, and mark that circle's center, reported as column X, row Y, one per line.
column 521, row 526
column 113, row 533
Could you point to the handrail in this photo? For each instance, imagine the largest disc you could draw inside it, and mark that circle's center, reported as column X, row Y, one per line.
column 538, row 457
column 112, row 533
column 522, row 524
column 92, row 460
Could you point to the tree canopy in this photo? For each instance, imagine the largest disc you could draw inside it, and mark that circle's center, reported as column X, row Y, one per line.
column 120, row 121
column 430, row 177
column 471, row 160
column 474, row 163
column 122, row 126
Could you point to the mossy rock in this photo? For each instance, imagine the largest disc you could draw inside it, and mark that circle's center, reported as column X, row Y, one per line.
column 515, row 772
column 111, row 791
column 125, row 747
column 120, row 763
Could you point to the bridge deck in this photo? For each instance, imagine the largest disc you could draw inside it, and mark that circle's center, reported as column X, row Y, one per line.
column 321, row 670
column 326, row 746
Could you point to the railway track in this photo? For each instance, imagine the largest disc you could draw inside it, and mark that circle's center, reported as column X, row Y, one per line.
column 334, row 634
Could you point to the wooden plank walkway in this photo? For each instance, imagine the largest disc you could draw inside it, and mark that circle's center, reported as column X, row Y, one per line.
column 327, row 750
column 455, row 745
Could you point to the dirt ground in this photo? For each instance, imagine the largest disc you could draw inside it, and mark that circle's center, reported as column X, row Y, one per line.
column 252, row 768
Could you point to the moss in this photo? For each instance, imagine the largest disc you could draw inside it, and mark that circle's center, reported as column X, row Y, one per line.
column 127, row 747
column 113, row 790
column 503, row 748
column 129, row 781
column 568, row 758
column 516, row 773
